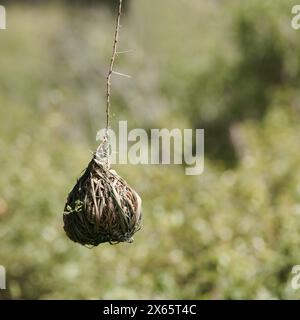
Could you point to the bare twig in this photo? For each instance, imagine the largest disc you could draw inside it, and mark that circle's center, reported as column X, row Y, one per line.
column 112, row 61
column 122, row 52
column 121, row 74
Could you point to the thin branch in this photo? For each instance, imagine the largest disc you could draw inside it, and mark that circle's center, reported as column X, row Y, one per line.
column 112, row 61
column 121, row 74
column 125, row 51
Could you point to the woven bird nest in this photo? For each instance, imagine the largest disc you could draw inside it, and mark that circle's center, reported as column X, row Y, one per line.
column 102, row 207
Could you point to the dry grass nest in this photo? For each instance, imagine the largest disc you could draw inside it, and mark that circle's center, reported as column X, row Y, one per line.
column 101, row 207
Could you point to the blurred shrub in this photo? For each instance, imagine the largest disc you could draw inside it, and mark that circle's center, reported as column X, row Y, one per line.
column 233, row 89
column 112, row 4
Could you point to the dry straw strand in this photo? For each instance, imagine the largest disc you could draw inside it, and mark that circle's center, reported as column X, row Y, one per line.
column 112, row 62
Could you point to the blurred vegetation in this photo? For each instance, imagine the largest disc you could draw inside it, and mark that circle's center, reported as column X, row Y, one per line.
column 112, row 4
column 229, row 67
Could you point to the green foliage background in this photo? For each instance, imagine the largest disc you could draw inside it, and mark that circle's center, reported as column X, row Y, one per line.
column 231, row 67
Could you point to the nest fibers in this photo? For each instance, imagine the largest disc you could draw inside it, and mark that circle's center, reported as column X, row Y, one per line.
column 102, row 207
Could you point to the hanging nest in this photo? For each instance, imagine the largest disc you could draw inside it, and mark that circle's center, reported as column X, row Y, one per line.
column 102, row 207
